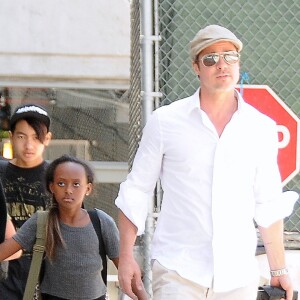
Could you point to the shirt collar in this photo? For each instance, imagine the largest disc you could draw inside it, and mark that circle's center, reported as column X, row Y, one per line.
column 241, row 101
column 195, row 100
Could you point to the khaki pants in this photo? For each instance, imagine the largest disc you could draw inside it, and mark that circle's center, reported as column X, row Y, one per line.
column 168, row 285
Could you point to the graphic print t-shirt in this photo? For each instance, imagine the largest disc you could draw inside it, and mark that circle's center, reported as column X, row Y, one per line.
column 25, row 192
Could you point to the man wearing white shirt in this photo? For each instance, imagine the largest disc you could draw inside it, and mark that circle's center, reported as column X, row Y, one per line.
column 216, row 157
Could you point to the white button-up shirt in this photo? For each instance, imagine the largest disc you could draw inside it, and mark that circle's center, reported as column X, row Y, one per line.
column 214, row 187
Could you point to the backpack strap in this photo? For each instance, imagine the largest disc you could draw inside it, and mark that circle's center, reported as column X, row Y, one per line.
column 37, row 256
column 96, row 221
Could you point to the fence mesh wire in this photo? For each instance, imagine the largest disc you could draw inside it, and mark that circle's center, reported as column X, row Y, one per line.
column 135, row 127
column 90, row 124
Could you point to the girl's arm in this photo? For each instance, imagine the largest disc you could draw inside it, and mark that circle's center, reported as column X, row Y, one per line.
column 9, row 232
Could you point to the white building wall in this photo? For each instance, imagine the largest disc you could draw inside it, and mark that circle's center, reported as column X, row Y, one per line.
column 65, row 42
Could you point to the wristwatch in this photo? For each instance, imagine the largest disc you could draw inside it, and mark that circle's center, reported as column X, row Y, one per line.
column 277, row 273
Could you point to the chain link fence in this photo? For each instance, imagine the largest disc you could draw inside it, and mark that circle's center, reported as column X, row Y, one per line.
column 88, row 123
column 270, row 31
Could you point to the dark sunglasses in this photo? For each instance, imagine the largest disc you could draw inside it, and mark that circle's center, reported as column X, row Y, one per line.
column 230, row 57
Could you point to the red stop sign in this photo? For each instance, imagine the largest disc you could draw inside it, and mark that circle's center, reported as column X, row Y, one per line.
column 263, row 98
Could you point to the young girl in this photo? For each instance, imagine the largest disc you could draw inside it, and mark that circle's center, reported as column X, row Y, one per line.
column 73, row 265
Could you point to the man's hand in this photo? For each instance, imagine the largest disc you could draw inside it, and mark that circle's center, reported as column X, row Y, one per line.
column 285, row 283
column 130, row 278
column 138, row 289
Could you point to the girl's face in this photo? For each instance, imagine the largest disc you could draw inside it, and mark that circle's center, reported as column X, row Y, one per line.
column 70, row 185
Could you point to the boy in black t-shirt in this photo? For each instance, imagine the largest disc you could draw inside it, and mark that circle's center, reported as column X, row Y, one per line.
column 23, row 183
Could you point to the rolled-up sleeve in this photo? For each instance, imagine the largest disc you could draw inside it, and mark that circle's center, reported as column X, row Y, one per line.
column 136, row 192
column 271, row 203
column 268, row 213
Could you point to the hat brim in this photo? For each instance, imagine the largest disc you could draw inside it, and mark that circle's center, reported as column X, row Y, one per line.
column 30, row 114
column 236, row 43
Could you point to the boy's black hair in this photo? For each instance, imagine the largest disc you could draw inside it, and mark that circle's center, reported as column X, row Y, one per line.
column 36, row 116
